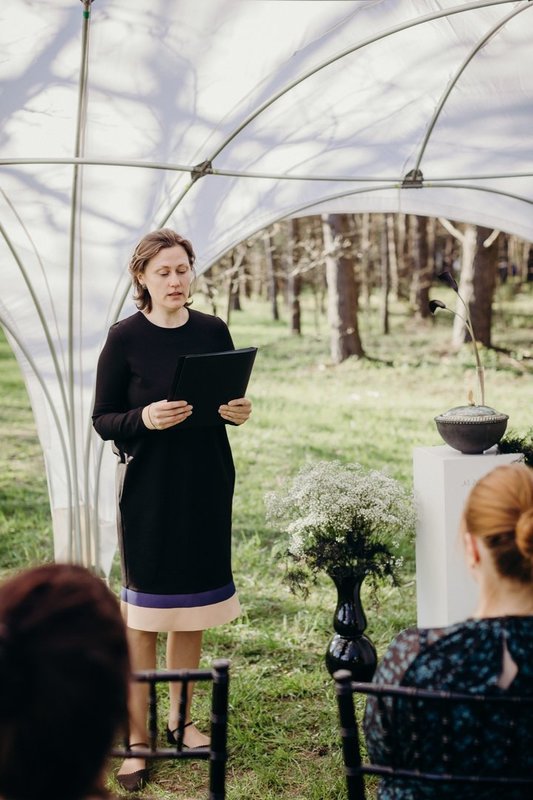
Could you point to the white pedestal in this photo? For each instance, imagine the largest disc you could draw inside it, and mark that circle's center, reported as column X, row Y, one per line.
column 442, row 478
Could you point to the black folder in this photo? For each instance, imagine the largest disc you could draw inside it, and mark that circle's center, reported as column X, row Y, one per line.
column 209, row 380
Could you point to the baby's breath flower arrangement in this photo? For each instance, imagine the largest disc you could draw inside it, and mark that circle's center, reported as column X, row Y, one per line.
column 341, row 519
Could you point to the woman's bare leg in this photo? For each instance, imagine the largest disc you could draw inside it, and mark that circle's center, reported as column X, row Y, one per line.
column 183, row 652
column 142, row 646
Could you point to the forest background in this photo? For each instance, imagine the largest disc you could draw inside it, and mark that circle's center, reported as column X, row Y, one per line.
column 351, row 366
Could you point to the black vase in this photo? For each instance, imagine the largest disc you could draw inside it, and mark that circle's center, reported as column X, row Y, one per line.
column 350, row 649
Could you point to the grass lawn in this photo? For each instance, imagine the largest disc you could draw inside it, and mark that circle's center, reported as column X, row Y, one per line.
column 283, row 732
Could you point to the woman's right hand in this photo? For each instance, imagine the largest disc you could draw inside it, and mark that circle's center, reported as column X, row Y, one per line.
column 165, row 414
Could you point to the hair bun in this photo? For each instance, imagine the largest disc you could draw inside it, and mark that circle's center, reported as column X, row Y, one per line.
column 524, row 533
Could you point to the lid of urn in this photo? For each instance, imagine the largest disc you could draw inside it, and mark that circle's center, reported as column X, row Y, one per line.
column 471, row 415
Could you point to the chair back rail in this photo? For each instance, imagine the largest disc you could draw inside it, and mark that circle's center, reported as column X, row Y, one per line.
column 216, row 753
column 410, row 717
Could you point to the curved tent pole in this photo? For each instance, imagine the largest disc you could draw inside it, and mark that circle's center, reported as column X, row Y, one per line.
column 489, row 190
column 427, row 185
column 93, row 524
column 453, row 82
column 434, row 184
column 57, row 421
column 296, row 210
column 206, row 167
column 40, row 314
column 338, row 196
column 97, row 162
column 76, row 180
column 231, row 173
column 168, row 167
column 486, row 177
column 39, row 377
column 95, row 530
column 448, row 12
column 45, row 278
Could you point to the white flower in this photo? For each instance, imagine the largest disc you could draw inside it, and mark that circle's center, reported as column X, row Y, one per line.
column 296, row 546
column 327, row 504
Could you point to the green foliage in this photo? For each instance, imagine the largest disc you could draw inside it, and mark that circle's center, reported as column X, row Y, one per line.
column 283, row 727
column 25, row 524
column 514, row 442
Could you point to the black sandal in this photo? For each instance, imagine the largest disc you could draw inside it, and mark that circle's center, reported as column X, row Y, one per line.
column 134, row 781
column 172, row 739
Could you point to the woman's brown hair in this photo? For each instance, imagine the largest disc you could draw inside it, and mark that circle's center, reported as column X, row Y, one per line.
column 499, row 510
column 64, row 674
column 147, row 248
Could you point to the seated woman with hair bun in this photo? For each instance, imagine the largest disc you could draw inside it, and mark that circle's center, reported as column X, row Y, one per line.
column 492, row 652
column 64, row 675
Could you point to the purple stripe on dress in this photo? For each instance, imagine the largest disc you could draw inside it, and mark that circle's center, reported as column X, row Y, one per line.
column 146, row 600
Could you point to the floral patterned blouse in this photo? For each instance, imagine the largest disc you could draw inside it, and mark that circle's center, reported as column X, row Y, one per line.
column 463, row 657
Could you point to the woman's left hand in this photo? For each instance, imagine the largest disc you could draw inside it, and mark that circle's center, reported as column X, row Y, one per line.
column 236, row 411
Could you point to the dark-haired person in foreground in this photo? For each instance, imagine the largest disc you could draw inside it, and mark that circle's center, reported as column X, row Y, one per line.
column 490, row 653
column 64, row 676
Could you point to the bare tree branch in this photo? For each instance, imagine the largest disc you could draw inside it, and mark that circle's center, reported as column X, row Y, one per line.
column 451, row 229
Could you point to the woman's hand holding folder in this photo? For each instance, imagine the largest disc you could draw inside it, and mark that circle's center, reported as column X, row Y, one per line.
column 236, row 411
column 165, row 414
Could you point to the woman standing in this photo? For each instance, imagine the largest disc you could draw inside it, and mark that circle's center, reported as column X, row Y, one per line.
column 174, row 485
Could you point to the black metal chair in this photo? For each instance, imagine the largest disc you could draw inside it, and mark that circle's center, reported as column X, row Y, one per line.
column 441, row 739
column 216, row 753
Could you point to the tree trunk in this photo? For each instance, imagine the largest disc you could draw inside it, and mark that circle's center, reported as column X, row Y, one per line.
column 392, row 257
column 294, row 282
column 466, row 289
column 448, row 256
column 526, row 261
column 342, row 293
column 235, row 297
column 211, row 293
column 234, row 294
column 234, row 280
column 422, row 272
column 365, row 259
column 431, row 242
column 483, row 284
column 402, row 253
column 246, row 278
column 271, row 275
column 385, row 282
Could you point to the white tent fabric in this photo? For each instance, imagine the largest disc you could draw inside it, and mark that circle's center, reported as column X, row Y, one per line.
column 218, row 117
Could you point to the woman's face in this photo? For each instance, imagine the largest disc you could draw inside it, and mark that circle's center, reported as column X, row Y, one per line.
column 168, row 276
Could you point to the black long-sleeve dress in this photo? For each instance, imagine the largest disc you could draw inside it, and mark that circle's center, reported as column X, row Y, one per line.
column 174, row 487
